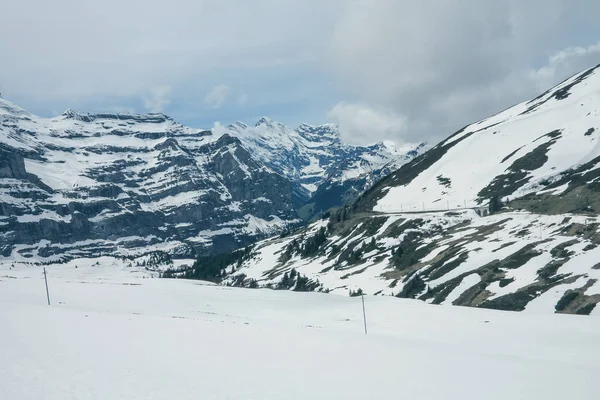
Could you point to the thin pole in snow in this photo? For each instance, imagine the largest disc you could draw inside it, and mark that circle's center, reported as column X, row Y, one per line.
column 46, row 280
column 465, row 203
column 364, row 312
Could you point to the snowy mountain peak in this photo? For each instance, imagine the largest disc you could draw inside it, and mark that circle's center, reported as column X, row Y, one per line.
column 9, row 108
column 156, row 118
column 237, row 126
column 269, row 123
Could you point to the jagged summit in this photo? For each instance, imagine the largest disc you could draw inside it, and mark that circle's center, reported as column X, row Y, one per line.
column 90, row 117
column 268, row 122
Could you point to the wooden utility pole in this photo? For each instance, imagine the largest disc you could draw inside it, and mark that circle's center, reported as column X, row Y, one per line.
column 46, row 280
column 364, row 312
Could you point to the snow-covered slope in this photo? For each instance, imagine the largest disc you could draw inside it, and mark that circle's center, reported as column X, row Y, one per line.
column 534, row 147
column 112, row 332
column 423, row 232
column 90, row 184
column 510, row 261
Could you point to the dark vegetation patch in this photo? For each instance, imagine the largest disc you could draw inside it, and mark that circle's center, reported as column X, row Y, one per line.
column 553, row 135
column 582, row 194
column 561, row 251
column 353, row 254
column 517, row 174
column 503, row 246
column 516, row 301
column 520, row 257
column 445, row 265
column 589, row 247
column 446, row 182
column 589, row 132
column 506, row 281
column 212, row 268
column 576, row 200
column 441, row 292
column 589, row 232
column 574, row 301
column 405, row 258
column 522, row 233
column 297, row 282
column 566, row 299
column 510, row 155
column 412, row 287
column 399, row 228
column 548, row 272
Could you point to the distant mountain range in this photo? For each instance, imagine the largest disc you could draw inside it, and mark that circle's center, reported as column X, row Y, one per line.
column 82, row 185
column 424, row 231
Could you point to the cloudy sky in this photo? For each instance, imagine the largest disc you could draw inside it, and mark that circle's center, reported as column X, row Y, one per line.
column 382, row 69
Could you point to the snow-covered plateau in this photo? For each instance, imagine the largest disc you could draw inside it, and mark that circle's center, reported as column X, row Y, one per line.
column 117, row 332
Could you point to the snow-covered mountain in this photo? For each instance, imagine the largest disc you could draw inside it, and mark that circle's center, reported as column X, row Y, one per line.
column 87, row 184
column 424, row 231
column 327, row 171
column 544, row 146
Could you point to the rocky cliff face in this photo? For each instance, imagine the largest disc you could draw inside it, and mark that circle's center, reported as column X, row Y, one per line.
column 87, row 184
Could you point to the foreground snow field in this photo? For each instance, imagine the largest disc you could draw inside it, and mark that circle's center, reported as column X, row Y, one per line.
column 114, row 333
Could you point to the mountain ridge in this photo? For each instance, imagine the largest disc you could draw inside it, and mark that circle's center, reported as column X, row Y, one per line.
column 107, row 183
column 502, row 214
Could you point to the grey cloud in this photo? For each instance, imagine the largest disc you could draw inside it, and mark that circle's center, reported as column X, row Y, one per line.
column 71, row 50
column 445, row 63
column 157, row 99
column 360, row 124
column 217, row 96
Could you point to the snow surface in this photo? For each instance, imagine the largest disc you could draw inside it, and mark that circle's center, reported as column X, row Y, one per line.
column 115, row 332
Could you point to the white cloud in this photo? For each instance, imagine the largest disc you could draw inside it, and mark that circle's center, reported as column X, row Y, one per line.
column 360, row 124
column 217, row 96
column 157, row 99
column 218, row 129
column 564, row 63
column 243, row 99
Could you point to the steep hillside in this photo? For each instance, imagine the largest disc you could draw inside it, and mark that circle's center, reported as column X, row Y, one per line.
column 424, row 232
column 509, row 261
column 549, row 146
column 87, row 184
